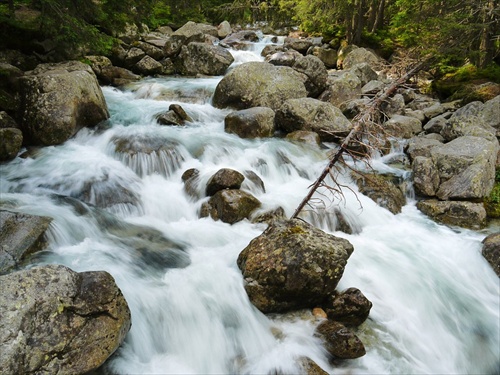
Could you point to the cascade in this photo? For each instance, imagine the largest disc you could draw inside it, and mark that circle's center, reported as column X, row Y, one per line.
column 436, row 305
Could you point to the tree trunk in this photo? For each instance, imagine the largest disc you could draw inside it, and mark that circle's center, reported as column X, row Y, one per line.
column 359, row 123
column 358, row 21
column 379, row 20
column 372, row 15
column 487, row 46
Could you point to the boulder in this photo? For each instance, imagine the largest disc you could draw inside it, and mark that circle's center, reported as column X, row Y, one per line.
column 202, row 58
column 283, row 58
column 298, row 44
column 97, row 63
column 11, row 140
column 350, row 307
column 360, row 56
column 490, row 113
column 309, row 367
column 240, row 39
column 191, row 29
column 174, row 116
column 342, row 53
column 133, row 56
column 7, row 121
column 55, row 320
column 20, row 235
column 402, row 126
column 341, row 89
column 258, row 84
column 466, row 167
column 224, row 178
column 313, row 115
column 292, row 265
column 271, row 49
column 425, row 176
column 339, row 341
column 151, row 50
column 420, row 146
column 382, row 191
column 372, row 87
column 315, row 74
column 117, row 76
column 491, row 251
column 56, row 100
column 460, row 213
column 224, row 29
column 393, row 106
column 436, row 124
column 231, row 206
column 327, row 55
column 467, row 122
column 364, row 72
column 434, row 110
column 256, row 122
column 148, row 66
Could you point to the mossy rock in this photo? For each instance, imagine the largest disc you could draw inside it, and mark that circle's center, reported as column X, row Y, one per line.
column 492, row 202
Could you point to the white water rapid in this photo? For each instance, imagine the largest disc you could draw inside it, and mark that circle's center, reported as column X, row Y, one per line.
column 436, row 307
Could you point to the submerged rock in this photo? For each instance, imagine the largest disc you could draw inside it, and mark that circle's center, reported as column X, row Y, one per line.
column 57, row 321
column 292, row 265
column 340, row 342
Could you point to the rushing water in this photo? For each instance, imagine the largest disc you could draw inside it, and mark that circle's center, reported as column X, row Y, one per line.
column 118, row 203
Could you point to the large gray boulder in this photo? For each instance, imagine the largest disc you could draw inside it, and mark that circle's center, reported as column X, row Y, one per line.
column 315, row 74
column 341, row 89
column 292, row 265
column 360, row 56
column 326, row 54
column 56, row 100
column 460, row 213
column 466, row 167
column 191, row 28
column 57, row 321
column 258, row 84
column 203, row 58
column 298, row 44
column 402, row 126
column 466, row 121
column 313, row 115
column 256, row 122
column 148, row 66
column 490, row 113
column 425, row 176
column 20, row 235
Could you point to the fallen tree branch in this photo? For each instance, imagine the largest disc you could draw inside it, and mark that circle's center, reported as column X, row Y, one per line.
column 359, row 122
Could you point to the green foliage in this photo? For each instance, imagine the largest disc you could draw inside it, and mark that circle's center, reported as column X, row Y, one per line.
column 492, row 202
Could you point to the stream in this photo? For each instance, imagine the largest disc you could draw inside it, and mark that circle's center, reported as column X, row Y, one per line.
column 436, row 304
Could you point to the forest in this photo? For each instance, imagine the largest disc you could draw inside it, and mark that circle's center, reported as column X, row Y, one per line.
column 456, row 33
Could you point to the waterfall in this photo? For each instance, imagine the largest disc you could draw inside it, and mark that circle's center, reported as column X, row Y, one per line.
column 118, row 204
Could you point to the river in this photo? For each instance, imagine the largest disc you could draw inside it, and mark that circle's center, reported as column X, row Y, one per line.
column 436, row 301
